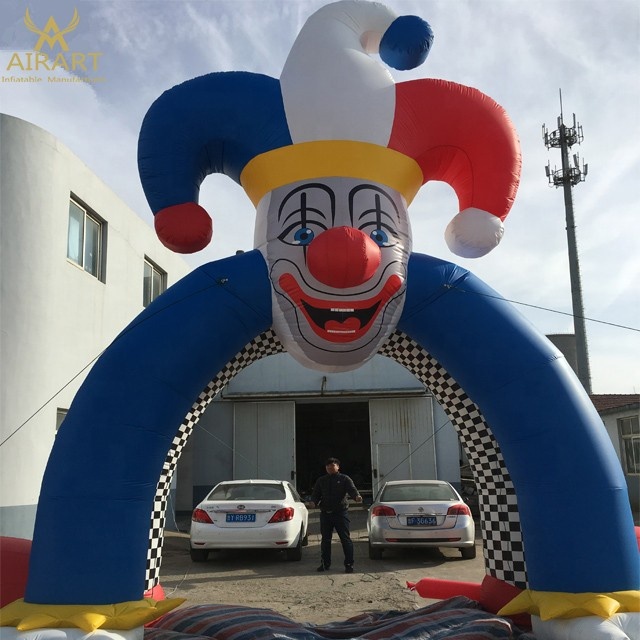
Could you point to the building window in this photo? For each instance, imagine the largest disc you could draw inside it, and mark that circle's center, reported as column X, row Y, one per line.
column 629, row 429
column 155, row 282
column 85, row 239
column 61, row 414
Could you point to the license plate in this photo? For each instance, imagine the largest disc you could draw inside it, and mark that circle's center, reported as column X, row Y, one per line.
column 241, row 517
column 421, row 521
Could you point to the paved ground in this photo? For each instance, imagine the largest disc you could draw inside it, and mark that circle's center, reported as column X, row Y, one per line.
column 266, row 579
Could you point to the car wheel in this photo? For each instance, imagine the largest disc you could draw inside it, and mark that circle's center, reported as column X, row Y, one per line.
column 305, row 540
column 468, row 553
column 374, row 553
column 295, row 553
column 199, row 555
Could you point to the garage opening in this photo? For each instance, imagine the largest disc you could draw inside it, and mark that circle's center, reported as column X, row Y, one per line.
column 339, row 429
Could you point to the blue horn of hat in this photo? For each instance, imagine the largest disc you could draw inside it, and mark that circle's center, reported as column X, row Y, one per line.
column 211, row 124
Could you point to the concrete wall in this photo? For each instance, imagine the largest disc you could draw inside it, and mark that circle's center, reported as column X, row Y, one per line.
column 208, row 459
column 610, row 420
column 281, row 374
column 212, row 453
column 55, row 318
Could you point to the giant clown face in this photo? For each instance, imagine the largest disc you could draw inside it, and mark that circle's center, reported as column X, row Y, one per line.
column 337, row 251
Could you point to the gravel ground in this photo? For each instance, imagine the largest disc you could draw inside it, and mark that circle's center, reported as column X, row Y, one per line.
column 266, row 579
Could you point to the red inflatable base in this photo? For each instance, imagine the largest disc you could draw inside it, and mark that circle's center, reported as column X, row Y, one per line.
column 14, row 571
column 14, row 568
column 492, row 594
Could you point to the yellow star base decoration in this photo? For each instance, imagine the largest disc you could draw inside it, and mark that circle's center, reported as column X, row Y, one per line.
column 26, row 616
column 549, row 605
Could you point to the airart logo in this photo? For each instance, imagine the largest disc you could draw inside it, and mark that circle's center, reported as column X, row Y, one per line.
column 51, row 52
column 51, row 26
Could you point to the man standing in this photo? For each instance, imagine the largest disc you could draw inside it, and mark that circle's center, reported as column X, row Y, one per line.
column 330, row 493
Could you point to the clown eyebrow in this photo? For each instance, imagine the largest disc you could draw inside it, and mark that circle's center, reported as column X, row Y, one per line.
column 300, row 217
column 303, row 201
column 377, row 209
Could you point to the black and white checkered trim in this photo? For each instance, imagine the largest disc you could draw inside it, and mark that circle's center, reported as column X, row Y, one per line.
column 264, row 345
column 500, row 519
column 499, row 515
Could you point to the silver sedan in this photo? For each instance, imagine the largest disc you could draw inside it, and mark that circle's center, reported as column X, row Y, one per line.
column 420, row 513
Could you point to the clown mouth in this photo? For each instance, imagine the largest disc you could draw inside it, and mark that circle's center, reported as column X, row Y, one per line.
column 339, row 321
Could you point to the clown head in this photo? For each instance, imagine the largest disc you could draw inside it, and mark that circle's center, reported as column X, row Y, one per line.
column 337, row 253
column 331, row 155
column 336, row 247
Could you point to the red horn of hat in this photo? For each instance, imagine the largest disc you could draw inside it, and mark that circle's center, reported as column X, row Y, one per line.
column 460, row 136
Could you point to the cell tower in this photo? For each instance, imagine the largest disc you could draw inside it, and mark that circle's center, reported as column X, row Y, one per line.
column 567, row 177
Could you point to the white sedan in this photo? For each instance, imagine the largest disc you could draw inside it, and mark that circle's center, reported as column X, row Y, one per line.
column 250, row 514
column 420, row 513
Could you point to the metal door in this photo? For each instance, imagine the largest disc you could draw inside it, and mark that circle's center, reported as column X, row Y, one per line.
column 264, row 440
column 393, row 462
column 402, row 439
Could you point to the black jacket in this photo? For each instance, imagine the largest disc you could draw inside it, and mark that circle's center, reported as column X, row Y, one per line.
column 331, row 491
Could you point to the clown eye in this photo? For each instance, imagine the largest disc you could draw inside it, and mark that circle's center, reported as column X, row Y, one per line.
column 304, row 213
column 300, row 235
column 380, row 237
column 303, row 236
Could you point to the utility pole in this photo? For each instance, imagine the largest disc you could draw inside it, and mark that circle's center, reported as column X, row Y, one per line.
column 567, row 177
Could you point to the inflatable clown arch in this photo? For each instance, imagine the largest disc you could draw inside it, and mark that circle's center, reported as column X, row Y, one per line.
column 500, row 520
column 332, row 154
column 135, row 411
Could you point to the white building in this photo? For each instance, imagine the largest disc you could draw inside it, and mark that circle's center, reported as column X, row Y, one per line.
column 76, row 266
column 621, row 416
column 276, row 418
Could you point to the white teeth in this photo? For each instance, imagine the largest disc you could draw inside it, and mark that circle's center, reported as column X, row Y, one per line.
column 336, row 331
column 343, row 310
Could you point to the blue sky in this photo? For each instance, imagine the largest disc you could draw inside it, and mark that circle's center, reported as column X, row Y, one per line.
column 519, row 53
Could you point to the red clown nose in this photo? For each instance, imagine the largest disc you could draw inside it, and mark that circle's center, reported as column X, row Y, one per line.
column 343, row 257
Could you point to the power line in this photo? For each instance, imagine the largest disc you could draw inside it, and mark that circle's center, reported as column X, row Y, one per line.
column 57, row 393
column 534, row 306
column 131, row 327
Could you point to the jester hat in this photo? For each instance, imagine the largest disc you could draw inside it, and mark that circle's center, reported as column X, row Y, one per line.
column 335, row 112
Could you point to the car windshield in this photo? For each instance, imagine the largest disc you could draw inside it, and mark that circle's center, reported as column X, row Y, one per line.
column 247, row 492
column 409, row 492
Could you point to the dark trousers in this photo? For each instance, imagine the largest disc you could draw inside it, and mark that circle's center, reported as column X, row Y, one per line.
column 338, row 520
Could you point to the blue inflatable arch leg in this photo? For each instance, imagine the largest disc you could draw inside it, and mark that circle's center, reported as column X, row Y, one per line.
column 499, row 516
column 264, row 345
column 92, row 524
column 548, row 432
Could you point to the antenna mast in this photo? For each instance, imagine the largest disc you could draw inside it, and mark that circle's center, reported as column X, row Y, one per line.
column 567, row 177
